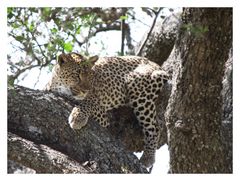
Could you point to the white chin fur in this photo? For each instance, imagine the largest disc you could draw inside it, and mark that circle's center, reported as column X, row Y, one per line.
column 65, row 90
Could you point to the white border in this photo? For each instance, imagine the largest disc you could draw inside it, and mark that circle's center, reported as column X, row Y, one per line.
column 3, row 89
column 125, row 3
column 236, row 90
column 121, row 3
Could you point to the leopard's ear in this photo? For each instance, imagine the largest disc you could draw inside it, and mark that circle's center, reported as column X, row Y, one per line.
column 61, row 59
column 88, row 63
column 93, row 59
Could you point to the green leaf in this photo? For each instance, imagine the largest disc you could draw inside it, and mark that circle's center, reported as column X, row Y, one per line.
column 9, row 13
column 31, row 27
column 59, row 41
column 19, row 38
column 124, row 17
column 16, row 25
column 68, row 47
column 50, row 47
column 54, row 30
column 9, row 10
column 70, row 26
column 46, row 11
column 78, row 30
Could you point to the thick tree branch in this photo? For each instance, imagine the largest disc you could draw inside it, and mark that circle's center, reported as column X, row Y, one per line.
column 159, row 44
column 41, row 158
column 15, row 167
column 42, row 117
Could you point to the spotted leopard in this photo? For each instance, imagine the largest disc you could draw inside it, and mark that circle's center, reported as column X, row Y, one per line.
column 113, row 82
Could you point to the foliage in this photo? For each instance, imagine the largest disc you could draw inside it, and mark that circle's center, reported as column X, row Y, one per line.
column 37, row 35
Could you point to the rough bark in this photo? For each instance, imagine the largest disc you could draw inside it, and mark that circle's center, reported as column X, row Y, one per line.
column 16, row 168
column 194, row 112
column 41, row 158
column 41, row 117
column 162, row 39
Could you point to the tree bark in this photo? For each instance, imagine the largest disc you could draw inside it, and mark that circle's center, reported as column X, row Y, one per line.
column 16, row 168
column 41, row 158
column 160, row 43
column 41, row 117
column 194, row 112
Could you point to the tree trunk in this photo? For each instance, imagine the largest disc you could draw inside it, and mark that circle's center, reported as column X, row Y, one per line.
column 194, row 112
column 41, row 119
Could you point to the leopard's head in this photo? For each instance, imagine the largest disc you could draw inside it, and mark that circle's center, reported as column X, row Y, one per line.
column 74, row 70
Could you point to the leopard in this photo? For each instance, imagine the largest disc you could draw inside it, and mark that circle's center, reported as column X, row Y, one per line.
column 105, row 83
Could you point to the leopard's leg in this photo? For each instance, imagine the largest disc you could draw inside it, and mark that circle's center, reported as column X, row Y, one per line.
column 145, row 111
column 88, row 108
column 143, row 91
column 101, row 116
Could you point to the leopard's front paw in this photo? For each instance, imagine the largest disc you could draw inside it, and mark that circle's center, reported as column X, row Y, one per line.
column 148, row 158
column 77, row 119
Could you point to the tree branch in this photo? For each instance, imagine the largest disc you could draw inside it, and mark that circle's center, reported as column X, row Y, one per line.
column 99, row 29
column 12, row 78
column 149, row 33
column 160, row 43
column 41, row 158
column 123, row 36
column 42, row 118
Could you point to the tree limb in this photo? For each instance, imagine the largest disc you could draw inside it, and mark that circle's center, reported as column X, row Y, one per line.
column 123, row 36
column 42, row 118
column 160, row 42
column 15, row 167
column 149, row 33
column 41, row 158
column 99, row 29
